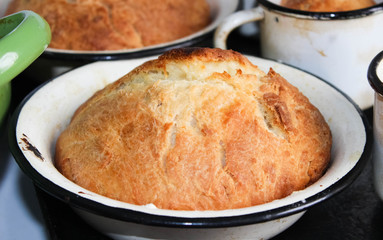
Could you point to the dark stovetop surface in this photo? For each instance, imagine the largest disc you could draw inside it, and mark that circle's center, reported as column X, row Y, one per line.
column 355, row 213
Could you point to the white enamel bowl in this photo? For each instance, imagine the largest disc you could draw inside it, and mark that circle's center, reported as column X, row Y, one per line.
column 54, row 62
column 46, row 111
column 220, row 9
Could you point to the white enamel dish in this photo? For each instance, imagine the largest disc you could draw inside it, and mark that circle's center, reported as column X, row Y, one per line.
column 336, row 46
column 40, row 118
column 220, row 9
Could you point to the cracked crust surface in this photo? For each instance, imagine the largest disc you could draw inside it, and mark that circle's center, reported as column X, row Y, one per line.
column 196, row 129
column 117, row 24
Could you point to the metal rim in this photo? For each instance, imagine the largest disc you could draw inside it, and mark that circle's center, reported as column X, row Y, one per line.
column 127, row 215
column 323, row 15
column 372, row 74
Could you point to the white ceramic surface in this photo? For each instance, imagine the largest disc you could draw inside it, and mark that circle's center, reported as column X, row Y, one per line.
column 50, row 108
column 335, row 47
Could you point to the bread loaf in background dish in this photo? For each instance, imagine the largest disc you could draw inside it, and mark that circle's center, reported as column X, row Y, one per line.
column 98, row 25
column 196, row 129
column 327, row 5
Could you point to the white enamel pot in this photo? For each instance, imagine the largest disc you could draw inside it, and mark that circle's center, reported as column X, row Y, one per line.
column 336, row 46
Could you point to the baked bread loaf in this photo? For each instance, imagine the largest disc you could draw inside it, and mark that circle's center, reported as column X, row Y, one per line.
column 117, row 24
column 196, row 129
column 327, row 5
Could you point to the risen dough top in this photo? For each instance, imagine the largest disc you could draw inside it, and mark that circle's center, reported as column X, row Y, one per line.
column 196, row 129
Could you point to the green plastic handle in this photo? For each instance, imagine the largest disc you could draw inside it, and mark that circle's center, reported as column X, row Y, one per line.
column 23, row 37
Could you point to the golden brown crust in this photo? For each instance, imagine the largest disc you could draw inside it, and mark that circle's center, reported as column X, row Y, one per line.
column 117, row 24
column 196, row 129
column 327, row 5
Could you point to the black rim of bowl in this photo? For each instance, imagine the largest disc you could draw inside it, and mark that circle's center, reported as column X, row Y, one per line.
column 373, row 78
column 323, row 15
column 77, row 201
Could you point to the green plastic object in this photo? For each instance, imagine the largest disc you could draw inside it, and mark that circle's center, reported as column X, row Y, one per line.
column 23, row 38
